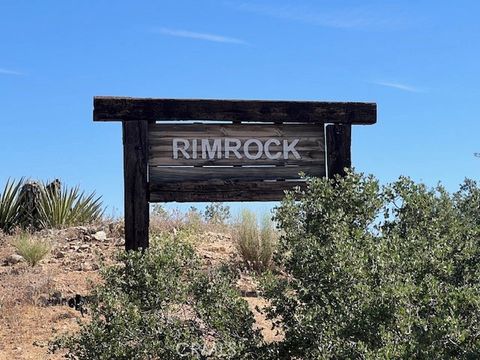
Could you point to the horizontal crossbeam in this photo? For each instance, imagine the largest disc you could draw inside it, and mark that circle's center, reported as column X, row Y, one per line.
column 126, row 109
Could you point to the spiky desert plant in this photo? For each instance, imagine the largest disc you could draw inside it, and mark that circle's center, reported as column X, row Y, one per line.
column 9, row 205
column 68, row 207
column 31, row 248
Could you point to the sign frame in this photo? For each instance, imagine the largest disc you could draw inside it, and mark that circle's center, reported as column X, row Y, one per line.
column 138, row 115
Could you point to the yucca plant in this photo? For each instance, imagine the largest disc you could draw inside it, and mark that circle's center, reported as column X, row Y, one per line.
column 68, row 207
column 9, row 205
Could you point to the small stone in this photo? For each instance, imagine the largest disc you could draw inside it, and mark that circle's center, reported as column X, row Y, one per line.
column 88, row 266
column 82, row 229
column 14, row 259
column 84, row 247
column 42, row 300
column 100, row 235
column 39, row 343
column 59, row 254
column 56, row 298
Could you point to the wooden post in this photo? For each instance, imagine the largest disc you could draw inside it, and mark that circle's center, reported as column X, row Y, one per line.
column 135, row 161
column 338, row 148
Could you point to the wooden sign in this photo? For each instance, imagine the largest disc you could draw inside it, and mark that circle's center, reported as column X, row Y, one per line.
column 225, row 150
column 235, row 156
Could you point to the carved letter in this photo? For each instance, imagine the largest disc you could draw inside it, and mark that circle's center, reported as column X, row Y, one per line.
column 234, row 148
column 290, row 148
column 267, row 149
column 194, row 148
column 210, row 151
column 259, row 153
column 183, row 150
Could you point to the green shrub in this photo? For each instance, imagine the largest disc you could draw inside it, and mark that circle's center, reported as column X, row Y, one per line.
column 158, row 210
column 193, row 221
column 255, row 244
column 217, row 213
column 159, row 304
column 177, row 224
column 378, row 272
column 68, row 207
column 31, row 248
column 9, row 205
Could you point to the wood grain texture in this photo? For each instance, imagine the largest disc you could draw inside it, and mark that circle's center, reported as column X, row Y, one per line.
column 311, row 146
column 206, row 191
column 127, row 109
column 135, row 143
column 225, row 175
column 338, row 149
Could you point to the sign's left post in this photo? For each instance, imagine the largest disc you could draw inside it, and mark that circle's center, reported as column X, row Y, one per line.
column 135, row 163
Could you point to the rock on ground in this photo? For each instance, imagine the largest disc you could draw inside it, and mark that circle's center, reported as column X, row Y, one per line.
column 14, row 259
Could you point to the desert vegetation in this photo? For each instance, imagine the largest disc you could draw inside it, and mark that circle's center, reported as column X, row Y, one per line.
column 160, row 304
column 346, row 269
column 31, row 248
column 378, row 272
column 9, row 205
column 217, row 213
column 256, row 243
column 34, row 205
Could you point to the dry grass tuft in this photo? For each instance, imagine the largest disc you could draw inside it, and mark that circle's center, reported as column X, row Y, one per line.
column 187, row 226
column 255, row 243
column 31, row 248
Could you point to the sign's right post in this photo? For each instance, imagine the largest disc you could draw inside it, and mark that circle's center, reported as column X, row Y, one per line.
column 338, row 139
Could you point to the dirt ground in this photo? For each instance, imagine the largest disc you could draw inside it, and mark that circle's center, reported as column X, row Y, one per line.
column 33, row 308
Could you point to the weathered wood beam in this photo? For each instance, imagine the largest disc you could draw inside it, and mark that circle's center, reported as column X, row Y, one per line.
column 176, row 174
column 131, row 109
column 207, row 191
column 338, row 149
column 135, row 157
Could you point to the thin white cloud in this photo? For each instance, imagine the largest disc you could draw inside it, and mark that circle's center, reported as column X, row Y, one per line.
column 4, row 71
column 199, row 36
column 354, row 17
column 399, row 86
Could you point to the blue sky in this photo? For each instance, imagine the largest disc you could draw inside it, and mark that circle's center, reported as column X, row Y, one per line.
column 419, row 60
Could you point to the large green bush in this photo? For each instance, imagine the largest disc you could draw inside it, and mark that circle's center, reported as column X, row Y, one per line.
column 378, row 272
column 362, row 272
column 159, row 304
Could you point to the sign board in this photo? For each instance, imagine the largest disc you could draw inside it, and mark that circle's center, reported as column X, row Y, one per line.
column 225, row 150
column 237, row 157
